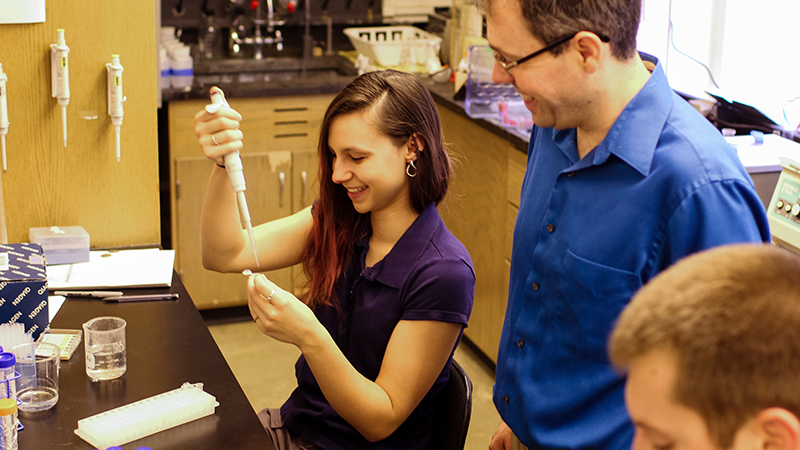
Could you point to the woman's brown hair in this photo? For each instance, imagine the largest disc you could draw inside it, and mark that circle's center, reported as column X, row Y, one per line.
column 400, row 108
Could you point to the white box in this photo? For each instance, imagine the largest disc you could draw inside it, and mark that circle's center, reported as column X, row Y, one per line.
column 62, row 245
column 410, row 11
column 385, row 45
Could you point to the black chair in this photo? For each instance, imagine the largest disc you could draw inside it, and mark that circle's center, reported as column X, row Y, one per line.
column 451, row 420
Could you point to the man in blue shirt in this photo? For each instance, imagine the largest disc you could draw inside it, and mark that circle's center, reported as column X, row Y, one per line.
column 624, row 178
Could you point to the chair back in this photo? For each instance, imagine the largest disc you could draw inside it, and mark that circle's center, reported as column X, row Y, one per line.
column 451, row 420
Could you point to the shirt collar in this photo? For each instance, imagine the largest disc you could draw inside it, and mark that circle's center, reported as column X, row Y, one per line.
column 634, row 135
column 397, row 265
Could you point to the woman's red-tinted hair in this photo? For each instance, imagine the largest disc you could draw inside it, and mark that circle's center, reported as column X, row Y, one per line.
column 401, row 107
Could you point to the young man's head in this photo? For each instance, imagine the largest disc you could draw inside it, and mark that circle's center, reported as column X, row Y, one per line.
column 712, row 351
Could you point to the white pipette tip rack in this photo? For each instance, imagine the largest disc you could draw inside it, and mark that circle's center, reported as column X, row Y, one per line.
column 140, row 419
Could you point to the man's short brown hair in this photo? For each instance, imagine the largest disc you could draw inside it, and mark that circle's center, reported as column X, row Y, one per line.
column 732, row 317
column 551, row 20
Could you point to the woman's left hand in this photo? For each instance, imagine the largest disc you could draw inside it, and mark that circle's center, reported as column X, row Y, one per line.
column 279, row 314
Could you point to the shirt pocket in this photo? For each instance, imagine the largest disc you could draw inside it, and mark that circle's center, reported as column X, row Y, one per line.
column 590, row 298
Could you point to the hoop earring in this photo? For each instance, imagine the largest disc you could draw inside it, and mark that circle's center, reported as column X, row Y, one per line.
column 409, row 167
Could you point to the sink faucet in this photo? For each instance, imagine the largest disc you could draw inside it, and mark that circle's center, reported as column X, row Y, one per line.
column 258, row 40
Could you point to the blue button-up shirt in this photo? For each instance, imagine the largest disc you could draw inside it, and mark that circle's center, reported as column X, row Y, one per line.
column 662, row 184
column 426, row 276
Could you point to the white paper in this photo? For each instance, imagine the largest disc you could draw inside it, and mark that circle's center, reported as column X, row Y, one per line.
column 115, row 269
column 22, row 11
column 54, row 303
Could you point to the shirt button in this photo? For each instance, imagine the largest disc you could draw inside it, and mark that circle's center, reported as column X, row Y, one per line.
column 551, row 228
column 571, row 174
column 520, row 343
column 535, row 286
column 506, row 399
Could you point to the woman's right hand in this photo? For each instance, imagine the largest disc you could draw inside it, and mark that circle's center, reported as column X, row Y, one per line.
column 218, row 133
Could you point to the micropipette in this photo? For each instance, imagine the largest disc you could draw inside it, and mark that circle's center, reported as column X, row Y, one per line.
column 115, row 97
column 60, row 76
column 233, row 165
column 3, row 114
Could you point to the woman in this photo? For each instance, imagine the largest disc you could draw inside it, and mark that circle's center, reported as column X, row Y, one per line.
column 390, row 288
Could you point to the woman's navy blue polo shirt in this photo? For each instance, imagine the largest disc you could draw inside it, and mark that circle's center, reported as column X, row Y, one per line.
column 428, row 275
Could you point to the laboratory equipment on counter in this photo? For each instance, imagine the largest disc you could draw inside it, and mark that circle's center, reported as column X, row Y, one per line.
column 3, row 113
column 784, row 209
column 149, row 416
column 115, row 98
column 233, row 165
column 500, row 103
column 60, row 76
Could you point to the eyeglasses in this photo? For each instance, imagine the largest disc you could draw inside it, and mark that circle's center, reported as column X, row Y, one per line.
column 510, row 65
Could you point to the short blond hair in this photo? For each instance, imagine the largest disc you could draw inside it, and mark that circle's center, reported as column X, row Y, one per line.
column 732, row 317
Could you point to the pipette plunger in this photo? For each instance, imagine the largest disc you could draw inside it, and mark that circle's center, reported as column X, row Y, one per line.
column 60, row 76
column 233, row 166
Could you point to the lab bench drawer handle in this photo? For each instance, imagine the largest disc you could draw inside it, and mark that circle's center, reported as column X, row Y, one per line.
column 304, row 177
column 282, row 177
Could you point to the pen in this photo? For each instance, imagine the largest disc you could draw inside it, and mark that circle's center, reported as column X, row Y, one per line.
column 96, row 294
column 141, row 298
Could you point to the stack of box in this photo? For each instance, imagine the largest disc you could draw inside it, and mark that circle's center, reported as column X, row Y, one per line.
column 23, row 287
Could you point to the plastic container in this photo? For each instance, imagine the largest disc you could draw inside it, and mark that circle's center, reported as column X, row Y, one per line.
column 145, row 417
column 8, row 424
column 487, row 100
column 182, row 67
column 388, row 46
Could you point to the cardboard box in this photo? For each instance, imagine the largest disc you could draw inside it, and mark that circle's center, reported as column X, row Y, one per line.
column 23, row 287
column 62, row 245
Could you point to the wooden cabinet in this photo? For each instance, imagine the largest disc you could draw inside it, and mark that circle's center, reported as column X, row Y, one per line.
column 480, row 210
column 280, row 168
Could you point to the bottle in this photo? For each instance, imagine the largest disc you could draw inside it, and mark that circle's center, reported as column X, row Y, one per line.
column 8, row 425
column 182, row 67
column 166, row 69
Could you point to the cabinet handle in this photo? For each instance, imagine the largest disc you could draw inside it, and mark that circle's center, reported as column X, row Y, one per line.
column 282, row 176
column 304, row 176
column 177, row 189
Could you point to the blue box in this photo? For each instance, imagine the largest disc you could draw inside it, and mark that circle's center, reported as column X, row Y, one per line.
column 23, row 287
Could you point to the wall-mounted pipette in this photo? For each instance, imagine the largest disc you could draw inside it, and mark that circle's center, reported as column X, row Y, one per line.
column 233, row 165
column 115, row 98
column 3, row 113
column 59, row 55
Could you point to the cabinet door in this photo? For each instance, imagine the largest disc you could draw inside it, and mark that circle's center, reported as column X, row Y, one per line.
column 264, row 174
column 305, row 187
column 475, row 212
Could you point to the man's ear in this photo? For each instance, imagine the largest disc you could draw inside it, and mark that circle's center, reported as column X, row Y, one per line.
column 777, row 429
column 590, row 49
